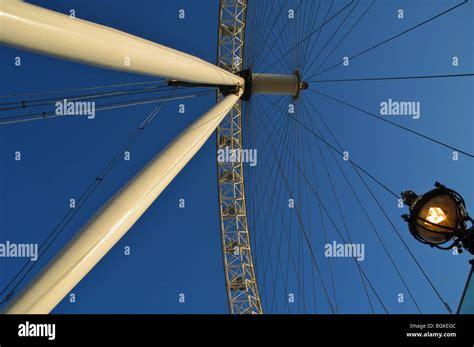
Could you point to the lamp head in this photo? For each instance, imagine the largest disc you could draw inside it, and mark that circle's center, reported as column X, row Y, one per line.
column 437, row 216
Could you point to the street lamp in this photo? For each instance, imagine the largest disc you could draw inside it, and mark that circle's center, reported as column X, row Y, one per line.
column 439, row 216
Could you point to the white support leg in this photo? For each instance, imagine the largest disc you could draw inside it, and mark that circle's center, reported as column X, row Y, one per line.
column 116, row 217
column 36, row 29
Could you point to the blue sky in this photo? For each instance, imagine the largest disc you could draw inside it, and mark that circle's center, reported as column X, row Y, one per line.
column 177, row 250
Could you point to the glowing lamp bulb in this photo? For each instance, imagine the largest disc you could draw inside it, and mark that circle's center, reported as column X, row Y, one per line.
column 436, row 215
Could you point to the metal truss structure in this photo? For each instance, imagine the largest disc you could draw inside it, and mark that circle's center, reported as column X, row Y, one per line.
column 24, row 28
column 36, row 29
column 241, row 284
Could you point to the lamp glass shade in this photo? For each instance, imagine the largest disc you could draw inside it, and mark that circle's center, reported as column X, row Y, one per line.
column 437, row 218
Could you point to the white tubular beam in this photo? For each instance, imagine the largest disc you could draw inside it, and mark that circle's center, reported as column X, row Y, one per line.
column 33, row 28
column 116, row 217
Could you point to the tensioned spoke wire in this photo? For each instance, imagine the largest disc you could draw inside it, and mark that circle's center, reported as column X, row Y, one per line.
column 277, row 42
column 337, row 230
column 296, row 195
column 298, row 213
column 308, row 25
column 430, row 282
column 293, row 35
column 274, row 42
column 341, row 153
column 256, row 34
column 52, row 114
column 249, row 38
column 253, row 196
column 297, row 33
column 270, row 207
column 288, row 232
column 299, row 202
column 147, row 120
column 282, row 215
column 298, row 155
column 278, row 250
column 263, row 192
column 49, row 101
column 252, row 200
column 329, row 55
column 263, row 37
column 309, row 35
column 270, row 32
column 334, row 193
column 323, row 225
column 346, row 227
column 394, row 78
column 334, row 34
column 295, row 142
column 249, row 174
column 55, row 91
column 393, row 123
column 286, row 38
column 263, row 175
column 341, row 213
column 329, row 216
column 394, row 37
column 382, row 243
column 67, row 218
column 319, row 31
column 299, row 275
